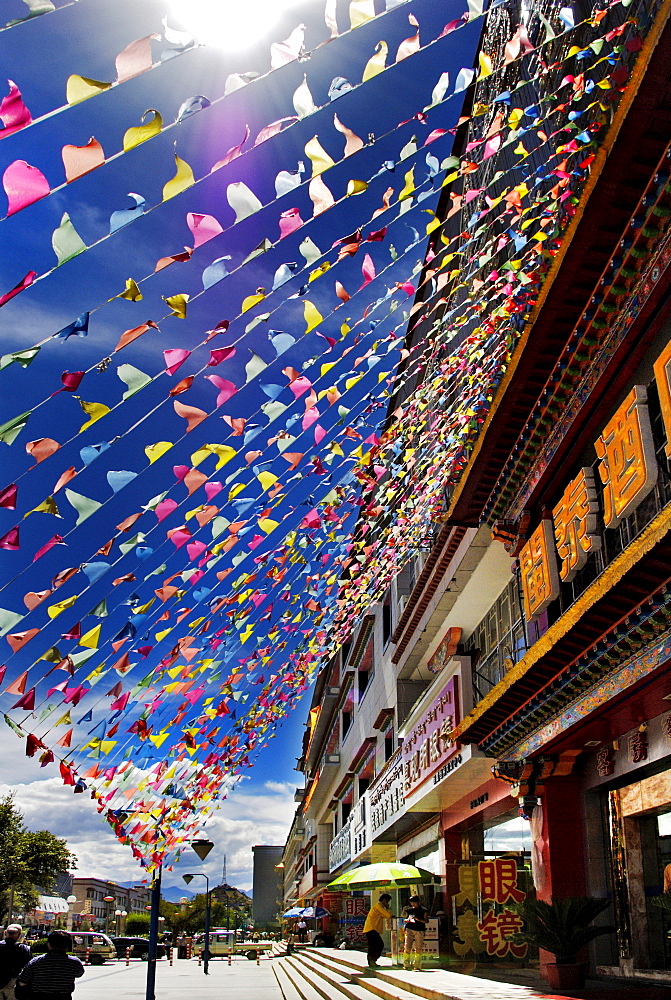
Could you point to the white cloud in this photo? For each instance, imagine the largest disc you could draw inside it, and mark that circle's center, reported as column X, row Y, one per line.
column 255, row 813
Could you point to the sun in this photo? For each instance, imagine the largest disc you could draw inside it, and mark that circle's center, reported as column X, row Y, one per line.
column 229, row 24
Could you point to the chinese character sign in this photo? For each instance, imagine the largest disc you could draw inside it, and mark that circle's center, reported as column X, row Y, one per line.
column 662, row 368
column 498, row 880
column 575, row 524
column 538, row 567
column 496, row 929
column 628, row 466
column 429, row 744
column 494, row 884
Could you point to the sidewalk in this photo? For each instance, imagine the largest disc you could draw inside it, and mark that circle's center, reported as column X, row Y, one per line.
column 490, row 983
column 243, row 980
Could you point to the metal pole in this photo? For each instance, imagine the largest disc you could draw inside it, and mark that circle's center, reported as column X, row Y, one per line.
column 206, row 957
column 153, row 934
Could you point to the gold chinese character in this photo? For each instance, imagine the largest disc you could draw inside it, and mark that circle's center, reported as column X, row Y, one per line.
column 628, row 467
column 575, row 521
column 434, row 747
column 662, row 369
column 469, row 884
column 538, row 566
column 467, row 932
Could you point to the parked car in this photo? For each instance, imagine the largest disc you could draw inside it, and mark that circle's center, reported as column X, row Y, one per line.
column 97, row 944
column 139, row 947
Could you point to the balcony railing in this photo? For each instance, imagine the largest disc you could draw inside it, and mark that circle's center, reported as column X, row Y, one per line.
column 340, row 848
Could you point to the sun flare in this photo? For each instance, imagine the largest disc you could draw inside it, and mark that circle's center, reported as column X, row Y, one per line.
column 229, row 24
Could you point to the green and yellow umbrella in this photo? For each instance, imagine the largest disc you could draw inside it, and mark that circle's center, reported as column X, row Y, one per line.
column 392, row 874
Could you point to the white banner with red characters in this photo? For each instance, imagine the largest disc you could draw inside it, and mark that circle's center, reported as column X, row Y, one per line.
column 428, row 746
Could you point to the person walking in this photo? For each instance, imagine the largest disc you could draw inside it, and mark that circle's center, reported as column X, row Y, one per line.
column 51, row 976
column 13, row 957
column 414, row 916
column 374, row 925
column 302, row 929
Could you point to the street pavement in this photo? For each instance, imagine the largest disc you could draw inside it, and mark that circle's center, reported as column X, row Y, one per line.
column 243, row 979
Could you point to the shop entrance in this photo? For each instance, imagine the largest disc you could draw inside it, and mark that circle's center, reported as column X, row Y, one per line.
column 640, row 836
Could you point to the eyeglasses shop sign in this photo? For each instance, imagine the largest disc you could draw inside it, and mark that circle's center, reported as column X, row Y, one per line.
column 428, row 748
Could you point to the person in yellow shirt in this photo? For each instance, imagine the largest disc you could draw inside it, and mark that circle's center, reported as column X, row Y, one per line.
column 374, row 925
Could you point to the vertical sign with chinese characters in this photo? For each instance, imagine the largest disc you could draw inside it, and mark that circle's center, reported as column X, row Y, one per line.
column 355, row 917
column 628, row 471
column 492, row 885
column 428, row 746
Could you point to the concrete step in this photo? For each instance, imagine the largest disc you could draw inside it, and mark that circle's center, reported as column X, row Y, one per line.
column 392, row 983
column 326, row 976
column 287, row 988
column 312, row 985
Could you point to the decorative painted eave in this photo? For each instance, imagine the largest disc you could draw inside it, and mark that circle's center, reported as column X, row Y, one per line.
column 619, row 176
column 639, row 573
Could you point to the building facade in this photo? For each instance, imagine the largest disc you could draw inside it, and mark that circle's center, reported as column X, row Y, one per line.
column 502, row 717
column 267, row 878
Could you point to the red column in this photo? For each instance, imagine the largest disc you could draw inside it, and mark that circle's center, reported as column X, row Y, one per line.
column 563, row 851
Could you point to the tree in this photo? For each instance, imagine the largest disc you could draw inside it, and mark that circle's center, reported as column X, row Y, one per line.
column 28, row 859
column 137, row 924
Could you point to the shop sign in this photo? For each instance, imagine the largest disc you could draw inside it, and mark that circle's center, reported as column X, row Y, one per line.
column 428, row 747
column 386, row 795
column 605, row 765
column 628, row 470
column 359, row 826
column 354, row 919
column 446, row 650
column 638, row 747
column 494, row 883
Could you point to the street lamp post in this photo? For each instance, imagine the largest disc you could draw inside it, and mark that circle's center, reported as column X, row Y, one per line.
column 108, row 900
column 70, row 901
column 206, row 954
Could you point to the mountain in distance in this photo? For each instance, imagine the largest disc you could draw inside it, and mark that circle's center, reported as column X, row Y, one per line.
column 173, row 893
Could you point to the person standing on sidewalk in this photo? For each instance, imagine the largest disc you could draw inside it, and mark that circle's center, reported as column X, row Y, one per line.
column 13, row 957
column 374, row 925
column 51, row 976
column 415, row 926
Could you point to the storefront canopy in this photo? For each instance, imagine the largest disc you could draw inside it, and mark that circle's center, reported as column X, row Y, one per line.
column 52, row 904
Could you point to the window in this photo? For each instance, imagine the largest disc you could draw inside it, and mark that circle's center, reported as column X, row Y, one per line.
column 347, row 712
column 389, row 742
column 386, row 619
column 366, row 667
column 90, row 894
column 499, row 639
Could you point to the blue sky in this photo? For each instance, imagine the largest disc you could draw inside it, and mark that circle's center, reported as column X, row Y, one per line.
column 84, row 38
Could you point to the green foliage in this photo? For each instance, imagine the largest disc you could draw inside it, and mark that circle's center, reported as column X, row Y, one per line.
column 233, row 913
column 663, row 901
column 39, row 947
column 137, row 924
column 28, row 858
column 561, row 927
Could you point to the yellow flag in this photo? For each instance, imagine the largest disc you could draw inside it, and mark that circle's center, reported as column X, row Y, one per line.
column 318, row 156
column 54, row 610
column 182, row 180
column 376, row 64
column 91, row 638
column 79, row 88
column 132, row 293
column 178, row 304
column 312, row 315
column 154, row 451
column 140, row 133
